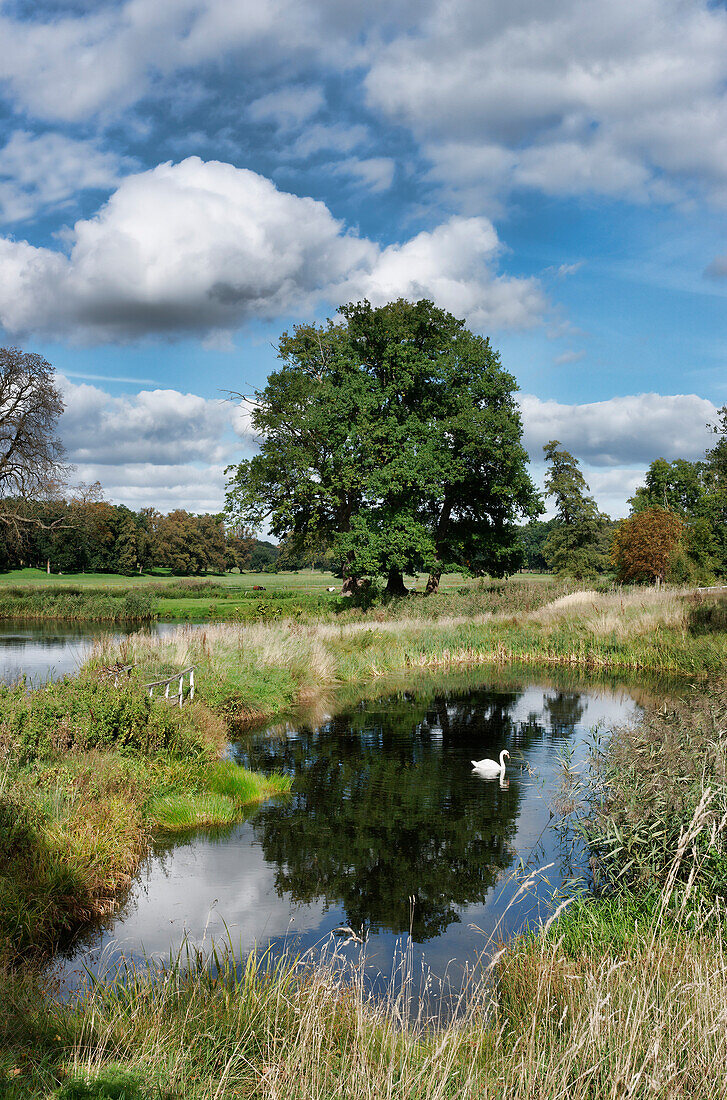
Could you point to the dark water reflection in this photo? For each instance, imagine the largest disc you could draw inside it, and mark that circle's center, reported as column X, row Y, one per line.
column 387, row 832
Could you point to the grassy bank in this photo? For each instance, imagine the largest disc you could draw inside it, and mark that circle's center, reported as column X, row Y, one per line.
column 260, row 670
column 246, row 597
column 89, row 772
column 623, row 995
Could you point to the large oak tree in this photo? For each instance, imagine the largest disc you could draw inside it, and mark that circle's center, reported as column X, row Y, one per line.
column 392, row 437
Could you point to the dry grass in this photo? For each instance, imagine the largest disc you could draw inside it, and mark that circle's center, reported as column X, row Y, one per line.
column 536, row 1021
column 263, row 669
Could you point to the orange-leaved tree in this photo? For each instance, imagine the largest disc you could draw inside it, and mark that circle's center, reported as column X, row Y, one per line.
column 646, row 544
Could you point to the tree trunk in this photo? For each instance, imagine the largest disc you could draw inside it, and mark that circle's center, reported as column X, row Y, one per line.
column 432, row 584
column 350, row 584
column 395, row 584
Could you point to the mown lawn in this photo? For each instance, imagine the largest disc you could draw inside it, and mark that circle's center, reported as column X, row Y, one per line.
column 306, row 580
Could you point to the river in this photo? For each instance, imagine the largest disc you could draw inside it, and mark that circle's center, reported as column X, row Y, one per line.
column 387, row 831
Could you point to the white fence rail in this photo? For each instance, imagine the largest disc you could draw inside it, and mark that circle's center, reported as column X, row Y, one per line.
column 179, row 679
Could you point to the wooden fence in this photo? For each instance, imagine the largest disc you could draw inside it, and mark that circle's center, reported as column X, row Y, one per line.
column 178, row 678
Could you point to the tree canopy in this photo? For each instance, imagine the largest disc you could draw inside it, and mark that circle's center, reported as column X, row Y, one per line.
column 646, row 544
column 393, row 440
column 30, row 451
column 578, row 539
column 695, row 492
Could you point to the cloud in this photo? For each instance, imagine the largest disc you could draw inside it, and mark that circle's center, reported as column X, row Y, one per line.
column 335, row 138
column 454, row 265
column 72, row 66
column 38, row 172
column 566, row 96
column 622, row 431
column 158, row 448
column 570, row 356
column 204, row 247
column 374, row 173
column 289, row 107
column 154, row 426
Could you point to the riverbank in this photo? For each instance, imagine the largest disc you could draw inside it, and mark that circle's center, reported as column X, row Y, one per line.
column 623, row 995
column 89, row 772
column 259, row 671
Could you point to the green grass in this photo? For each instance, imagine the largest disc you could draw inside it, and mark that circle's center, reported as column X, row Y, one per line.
column 302, row 579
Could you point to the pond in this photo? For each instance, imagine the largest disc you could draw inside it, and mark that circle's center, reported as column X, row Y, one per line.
column 387, row 832
column 46, row 651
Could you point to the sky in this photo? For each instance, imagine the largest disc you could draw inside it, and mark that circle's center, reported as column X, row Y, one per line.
column 182, row 181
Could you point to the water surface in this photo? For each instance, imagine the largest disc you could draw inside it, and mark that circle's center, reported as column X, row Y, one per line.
column 387, row 832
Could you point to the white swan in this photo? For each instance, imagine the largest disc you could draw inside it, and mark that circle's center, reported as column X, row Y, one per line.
column 490, row 769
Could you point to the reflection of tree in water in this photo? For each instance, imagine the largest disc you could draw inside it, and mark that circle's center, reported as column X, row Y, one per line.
column 564, row 710
column 385, row 808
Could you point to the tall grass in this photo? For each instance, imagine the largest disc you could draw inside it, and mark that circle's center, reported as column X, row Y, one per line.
column 76, row 605
column 262, row 669
column 641, row 1018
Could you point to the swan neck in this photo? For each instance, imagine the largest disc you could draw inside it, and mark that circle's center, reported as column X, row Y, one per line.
column 502, row 762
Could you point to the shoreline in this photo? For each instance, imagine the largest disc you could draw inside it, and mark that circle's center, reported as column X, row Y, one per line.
column 277, row 667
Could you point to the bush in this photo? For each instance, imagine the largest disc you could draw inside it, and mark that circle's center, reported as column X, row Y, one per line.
column 88, row 712
column 138, row 606
column 111, row 1084
column 708, row 615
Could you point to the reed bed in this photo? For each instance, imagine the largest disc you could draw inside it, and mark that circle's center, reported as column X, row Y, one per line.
column 259, row 670
column 549, row 1017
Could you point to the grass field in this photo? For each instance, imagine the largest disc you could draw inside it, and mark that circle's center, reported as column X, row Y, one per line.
column 34, row 595
column 305, row 580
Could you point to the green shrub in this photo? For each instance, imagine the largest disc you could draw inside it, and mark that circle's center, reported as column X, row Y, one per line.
column 112, row 1083
column 88, row 712
column 708, row 615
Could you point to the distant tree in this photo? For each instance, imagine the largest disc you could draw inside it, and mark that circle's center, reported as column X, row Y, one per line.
column 577, row 542
column 716, row 482
column 646, row 545
column 263, row 557
column 677, row 486
column 127, row 546
column 31, row 453
column 533, row 537
column 393, row 439
column 190, row 544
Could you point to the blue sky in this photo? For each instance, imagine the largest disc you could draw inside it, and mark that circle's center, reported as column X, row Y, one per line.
column 181, row 181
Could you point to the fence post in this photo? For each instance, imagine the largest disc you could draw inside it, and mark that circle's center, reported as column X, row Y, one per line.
column 181, row 689
column 191, row 683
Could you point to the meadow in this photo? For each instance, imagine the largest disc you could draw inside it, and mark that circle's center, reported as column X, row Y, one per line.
column 624, row 994
column 34, row 595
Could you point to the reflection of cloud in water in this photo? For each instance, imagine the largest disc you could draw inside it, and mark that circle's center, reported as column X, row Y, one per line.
column 207, row 889
column 385, row 807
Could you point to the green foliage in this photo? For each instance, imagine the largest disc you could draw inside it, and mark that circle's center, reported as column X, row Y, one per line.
column 697, row 493
column 88, row 712
column 394, row 440
column 113, row 1083
column 577, row 541
column 709, row 614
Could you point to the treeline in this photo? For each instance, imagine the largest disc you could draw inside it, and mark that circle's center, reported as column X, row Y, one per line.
column 86, row 533
column 676, row 530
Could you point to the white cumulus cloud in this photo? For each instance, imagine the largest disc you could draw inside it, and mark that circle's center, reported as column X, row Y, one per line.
column 157, row 448
column 623, row 430
column 203, row 247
